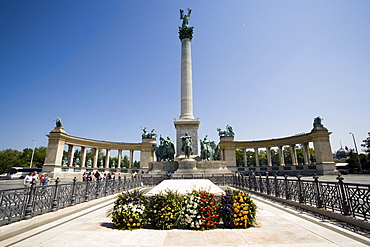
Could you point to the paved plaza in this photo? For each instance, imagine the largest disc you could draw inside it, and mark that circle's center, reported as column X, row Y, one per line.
column 87, row 224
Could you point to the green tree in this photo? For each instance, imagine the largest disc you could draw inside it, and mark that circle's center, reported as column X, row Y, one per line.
column 8, row 159
column 239, row 157
column 352, row 161
column 365, row 159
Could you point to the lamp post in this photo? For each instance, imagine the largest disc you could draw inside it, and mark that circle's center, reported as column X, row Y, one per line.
column 358, row 155
column 33, row 152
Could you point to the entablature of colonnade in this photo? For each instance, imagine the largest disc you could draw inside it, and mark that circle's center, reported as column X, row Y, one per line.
column 275, row 142
column 89, row 143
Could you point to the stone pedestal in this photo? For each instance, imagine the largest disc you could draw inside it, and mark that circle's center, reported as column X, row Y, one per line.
column 187, row 167
column 162, row 167
column 147, row 153
column 190, row 126
column 216, row 167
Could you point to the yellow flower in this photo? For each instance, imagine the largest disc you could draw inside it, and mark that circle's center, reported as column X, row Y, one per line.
column 128, row 224
column 134, row 224
column 137, row 224
column 130, row 220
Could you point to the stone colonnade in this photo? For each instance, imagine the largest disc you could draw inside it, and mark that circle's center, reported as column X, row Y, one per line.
column 57, row 167
column 319, row 136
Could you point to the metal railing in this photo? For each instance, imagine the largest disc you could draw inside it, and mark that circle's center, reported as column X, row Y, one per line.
column 24, row 203
column 348, row 199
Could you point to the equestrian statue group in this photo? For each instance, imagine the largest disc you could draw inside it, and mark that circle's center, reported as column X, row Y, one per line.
column 165, row 151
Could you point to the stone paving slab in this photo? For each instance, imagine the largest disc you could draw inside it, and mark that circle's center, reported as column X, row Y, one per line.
column 277, row 226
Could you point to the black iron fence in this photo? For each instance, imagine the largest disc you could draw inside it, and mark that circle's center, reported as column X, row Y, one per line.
column 24, row 203
column 348, row 199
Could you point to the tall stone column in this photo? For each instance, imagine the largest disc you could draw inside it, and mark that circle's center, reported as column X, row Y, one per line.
column 131, row 159
column 293, row 153
column 256, row 158
column 268, row 156
column 119, row 158
column 107, row 154
column 324, row 156
column 96, row 156
column 70, row 154
column 54, row 152
column 306, row 153
column 186, row 123
column 281, row 156
column 83, row 156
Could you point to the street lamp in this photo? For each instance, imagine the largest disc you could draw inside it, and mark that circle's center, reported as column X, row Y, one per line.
column 33, row 152
column 358, row 155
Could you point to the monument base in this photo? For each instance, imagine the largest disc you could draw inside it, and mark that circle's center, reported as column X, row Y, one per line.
column 187, row 167
column 162, row 167
column 216, row 167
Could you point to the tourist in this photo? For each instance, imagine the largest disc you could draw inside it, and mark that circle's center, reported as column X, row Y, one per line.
column 84, row 177
column 27, row 180
column 35, row 176
column 90, row 177
column 45, row 180
column 42, row 178
column 97, row 175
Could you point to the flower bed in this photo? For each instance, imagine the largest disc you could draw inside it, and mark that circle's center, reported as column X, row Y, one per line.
column 198, row 210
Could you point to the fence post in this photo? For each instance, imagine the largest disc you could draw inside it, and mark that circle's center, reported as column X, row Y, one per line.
column 318, row 192
column 260, row 183
column 73, row 197
column 268, row 184
column 300, row 192
column 28, row 213
column 345, row 206
column 105, row 187
column 54, row 206
column 276, row 185
column 287, row 194
column 87, row 191
column 97, row 188
column 114, row 186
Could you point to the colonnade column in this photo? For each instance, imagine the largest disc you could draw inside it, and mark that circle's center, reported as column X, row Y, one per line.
column 294, row 155
column 268, row 153
column 95, row 158
column 119, row 158
column 256, row 157
column 281, row 156
column 131, row 158
column 306, row 153
column 107, row 154
column 83, row 156
column 245, row 157
column 70, row 154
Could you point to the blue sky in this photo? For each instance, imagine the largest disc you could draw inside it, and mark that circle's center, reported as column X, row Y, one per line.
column 107, row 68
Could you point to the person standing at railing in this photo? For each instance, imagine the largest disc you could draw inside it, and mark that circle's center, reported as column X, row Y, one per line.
column 45, row 179
column 35, row 176
column 27, row 180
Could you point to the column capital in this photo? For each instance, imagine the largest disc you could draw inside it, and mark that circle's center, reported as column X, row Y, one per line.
column 185, row 33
